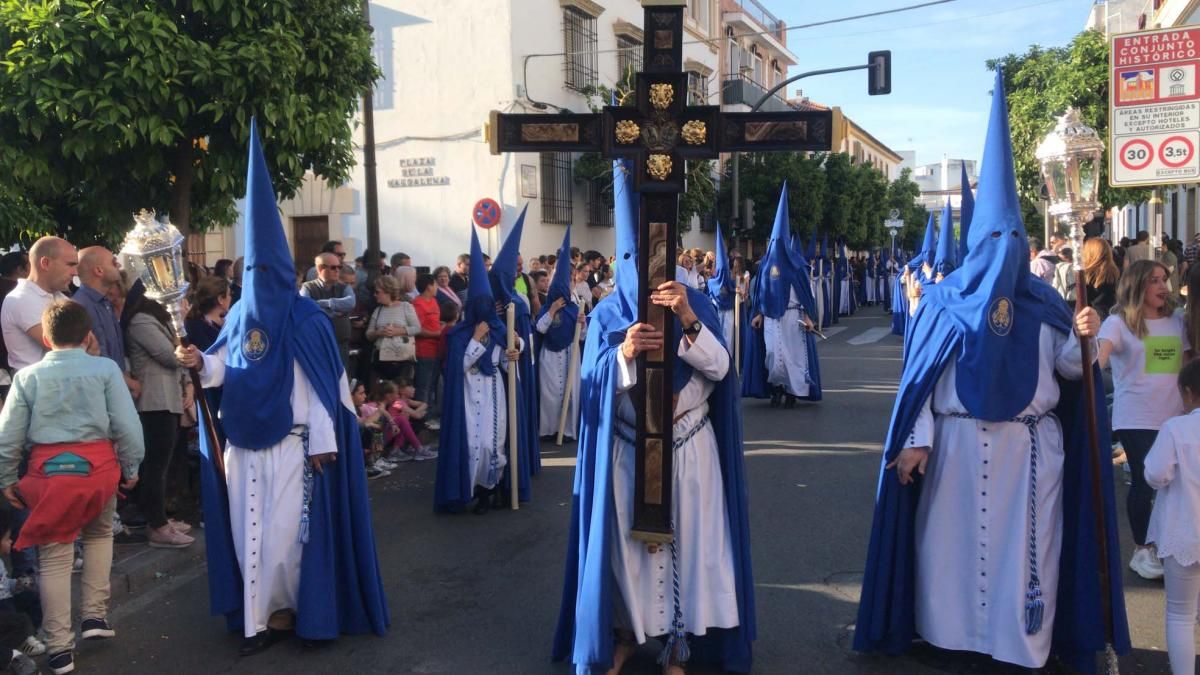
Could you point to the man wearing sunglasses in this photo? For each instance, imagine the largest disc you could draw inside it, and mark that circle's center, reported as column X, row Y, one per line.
column 334, row 298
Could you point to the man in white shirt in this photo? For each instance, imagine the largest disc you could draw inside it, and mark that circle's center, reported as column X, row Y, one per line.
column 53, row 263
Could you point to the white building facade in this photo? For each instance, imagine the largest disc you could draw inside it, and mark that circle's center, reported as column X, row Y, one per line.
column 445, row 66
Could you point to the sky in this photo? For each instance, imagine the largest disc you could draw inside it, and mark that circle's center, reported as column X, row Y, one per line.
column 940, row 82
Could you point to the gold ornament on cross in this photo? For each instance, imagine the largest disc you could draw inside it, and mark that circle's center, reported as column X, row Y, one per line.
column 694, row 132
column 661, row 96
column 627, row 132
column 659, row 166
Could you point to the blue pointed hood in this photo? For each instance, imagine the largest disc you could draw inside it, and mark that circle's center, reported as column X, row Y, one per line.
column 811, row 252
column 966, row 211
column 723, row 284
column 256, row 411
column 481, row 304
column 503, row 274
column 560, row 283
column 993, row 301
column 625, row 221
column 782, row 270
column 947, row 252
column 562, row 330
column 928, row 247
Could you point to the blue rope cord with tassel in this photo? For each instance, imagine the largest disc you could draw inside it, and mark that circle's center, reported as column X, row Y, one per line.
column 676, row 650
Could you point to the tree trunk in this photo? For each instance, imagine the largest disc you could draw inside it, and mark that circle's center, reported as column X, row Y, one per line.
column 181, row 195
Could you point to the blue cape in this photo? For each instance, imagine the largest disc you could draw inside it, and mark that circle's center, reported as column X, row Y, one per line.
column 340, row 587
column 455, row 486
column 585, row 625
column 960, row 321
column 781, row 271
column 503, row 278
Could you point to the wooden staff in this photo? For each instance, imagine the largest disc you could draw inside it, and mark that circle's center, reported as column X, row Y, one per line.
column 514, row 479
column 1089, row 397
column 216, row 452
column 569, row 387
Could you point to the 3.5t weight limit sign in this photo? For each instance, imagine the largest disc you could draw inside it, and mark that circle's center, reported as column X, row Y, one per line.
column 1156, row 158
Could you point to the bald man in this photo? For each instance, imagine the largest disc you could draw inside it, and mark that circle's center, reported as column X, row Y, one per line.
column 52, row 264
column 99, row 273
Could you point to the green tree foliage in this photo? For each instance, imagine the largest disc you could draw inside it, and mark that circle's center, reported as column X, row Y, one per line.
column 108, row 107
column 825, row 191
column 902, row 196
column 1041, row 84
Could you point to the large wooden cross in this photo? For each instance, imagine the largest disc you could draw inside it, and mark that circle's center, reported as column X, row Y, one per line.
column 658, row 135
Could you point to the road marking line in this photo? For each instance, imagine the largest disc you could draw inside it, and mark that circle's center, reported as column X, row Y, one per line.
column 870, row 335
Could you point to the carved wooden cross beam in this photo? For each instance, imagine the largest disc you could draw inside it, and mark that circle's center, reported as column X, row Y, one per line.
column 659, row 134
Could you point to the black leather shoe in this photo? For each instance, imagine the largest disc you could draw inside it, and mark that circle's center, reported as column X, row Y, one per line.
column 261, row 642
column 483, row 504
column 790, row 402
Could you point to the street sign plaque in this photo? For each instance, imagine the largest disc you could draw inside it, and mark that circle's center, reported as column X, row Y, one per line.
column 1154, row 106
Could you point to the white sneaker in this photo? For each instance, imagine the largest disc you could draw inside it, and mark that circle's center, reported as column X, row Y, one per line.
column 1146, row 564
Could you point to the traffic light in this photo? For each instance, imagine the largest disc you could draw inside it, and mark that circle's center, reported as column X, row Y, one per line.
column 879, row 74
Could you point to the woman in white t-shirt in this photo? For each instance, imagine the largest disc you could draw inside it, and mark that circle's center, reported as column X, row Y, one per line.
column 1173, row 468
column 1146, row 344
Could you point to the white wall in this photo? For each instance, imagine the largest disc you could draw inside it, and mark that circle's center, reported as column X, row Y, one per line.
column 445, row 75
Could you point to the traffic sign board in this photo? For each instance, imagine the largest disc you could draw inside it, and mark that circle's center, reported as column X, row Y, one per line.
column 1154, row 106
column 486, row 213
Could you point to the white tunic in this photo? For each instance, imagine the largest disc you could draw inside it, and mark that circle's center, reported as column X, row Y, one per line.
column 871, row 288
column 727, row 327
column 787, row 349
column 266, row 492
column 818, row 296
column 844, row 300
column 708, row 595
column 485, row 398
column 972, row 529
column 553, row 368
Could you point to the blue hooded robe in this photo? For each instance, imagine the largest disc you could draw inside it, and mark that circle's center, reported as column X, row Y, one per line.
column 947, row 251
column 585, row 624
column 955, row 323
column 781, row 271
column 966, row 212
column 562, row 329
column 455, row 484
column 503, row 277
column 830, row 316
column 271, row 327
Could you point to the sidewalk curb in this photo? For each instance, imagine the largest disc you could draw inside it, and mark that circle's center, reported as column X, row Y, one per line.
column 139, row 567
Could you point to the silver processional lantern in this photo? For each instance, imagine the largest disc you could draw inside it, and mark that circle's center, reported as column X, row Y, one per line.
column 1070, row 156
column 155, row 250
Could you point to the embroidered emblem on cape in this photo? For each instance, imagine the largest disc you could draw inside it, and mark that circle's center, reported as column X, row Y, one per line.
column 256, row 344
column 774, row 272
column 1000, row 316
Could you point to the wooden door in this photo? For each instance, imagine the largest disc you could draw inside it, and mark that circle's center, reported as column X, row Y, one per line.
column 309, row 234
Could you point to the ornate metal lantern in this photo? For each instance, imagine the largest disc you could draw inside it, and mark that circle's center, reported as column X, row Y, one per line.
column 1070, row 157
column 155, row 250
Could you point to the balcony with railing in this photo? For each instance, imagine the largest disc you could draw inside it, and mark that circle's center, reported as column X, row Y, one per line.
column 764, row 17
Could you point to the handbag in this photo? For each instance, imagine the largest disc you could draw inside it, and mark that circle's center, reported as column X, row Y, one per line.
column 395, row 348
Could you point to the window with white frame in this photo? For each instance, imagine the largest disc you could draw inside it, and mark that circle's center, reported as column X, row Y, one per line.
column 629, row 57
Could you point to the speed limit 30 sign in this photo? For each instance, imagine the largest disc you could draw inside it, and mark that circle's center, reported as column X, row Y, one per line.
column 1154, row 118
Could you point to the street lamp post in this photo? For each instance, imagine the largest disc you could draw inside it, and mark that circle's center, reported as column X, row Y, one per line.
column 1070, row 157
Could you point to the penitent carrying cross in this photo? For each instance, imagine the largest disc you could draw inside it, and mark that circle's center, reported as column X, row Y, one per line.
column 658, row 135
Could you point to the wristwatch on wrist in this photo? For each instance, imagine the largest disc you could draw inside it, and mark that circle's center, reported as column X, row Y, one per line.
column 694, row 329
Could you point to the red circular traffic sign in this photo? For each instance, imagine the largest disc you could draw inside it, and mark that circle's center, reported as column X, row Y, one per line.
column 1137, row 154
column 486, row 213
column 1176, row 151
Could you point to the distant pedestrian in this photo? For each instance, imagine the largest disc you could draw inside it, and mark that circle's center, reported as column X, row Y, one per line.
column 74, row 413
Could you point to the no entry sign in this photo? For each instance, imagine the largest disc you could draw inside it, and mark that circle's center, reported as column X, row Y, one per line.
column 1154, row 100
column 486, row 213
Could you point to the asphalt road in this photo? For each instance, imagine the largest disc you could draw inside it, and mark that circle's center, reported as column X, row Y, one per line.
column 480, row 595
